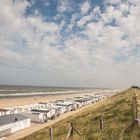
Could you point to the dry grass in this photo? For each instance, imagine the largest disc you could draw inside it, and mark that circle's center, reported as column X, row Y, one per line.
column 118, row 113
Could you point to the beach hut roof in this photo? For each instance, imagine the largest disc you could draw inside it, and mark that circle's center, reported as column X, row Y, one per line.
column 7, row 119
column 41, row 111
column 3, row 110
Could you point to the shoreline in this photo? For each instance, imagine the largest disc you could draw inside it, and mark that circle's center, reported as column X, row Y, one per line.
column 38, row 94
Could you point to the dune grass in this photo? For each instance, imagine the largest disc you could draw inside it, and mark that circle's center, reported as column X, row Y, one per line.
column 118, row 116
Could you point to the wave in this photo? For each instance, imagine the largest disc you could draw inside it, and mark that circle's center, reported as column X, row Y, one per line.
column 43, row 93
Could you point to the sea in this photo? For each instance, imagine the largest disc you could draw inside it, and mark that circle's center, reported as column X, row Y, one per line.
column 12, row 91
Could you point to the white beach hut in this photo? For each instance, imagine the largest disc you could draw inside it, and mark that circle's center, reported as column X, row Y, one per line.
column 4, row 112
column 36, row 117
column 12, row 123
column 50, row 114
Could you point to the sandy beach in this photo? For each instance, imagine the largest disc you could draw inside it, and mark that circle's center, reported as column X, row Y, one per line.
column 36, row 126
column 28, row 100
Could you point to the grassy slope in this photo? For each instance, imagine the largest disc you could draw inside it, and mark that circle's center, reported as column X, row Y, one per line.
column 118, row 115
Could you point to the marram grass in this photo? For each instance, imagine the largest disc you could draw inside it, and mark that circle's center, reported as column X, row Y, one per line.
column 118, row 116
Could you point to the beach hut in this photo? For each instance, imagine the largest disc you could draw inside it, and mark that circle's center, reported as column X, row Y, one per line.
column 12, row 123
column 43, row 104
column 60, row 109
column 77, row 104
column 4, row 112
column 91, row 98
column 57, row 110
column 14, row 110
column 50, row 114
column 29, row 107
column 67, row 106
column 82, row 101
column 63, row 109
column 37, row 117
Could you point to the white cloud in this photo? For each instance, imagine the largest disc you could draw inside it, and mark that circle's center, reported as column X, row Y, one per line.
column 85, row 7
column 64, row 5
column 34, row 30
column 114, row 1
column 84, row 20
column 104, row 56
column 94, row 15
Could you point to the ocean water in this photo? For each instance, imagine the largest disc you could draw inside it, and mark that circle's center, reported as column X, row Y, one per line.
column 9, row 91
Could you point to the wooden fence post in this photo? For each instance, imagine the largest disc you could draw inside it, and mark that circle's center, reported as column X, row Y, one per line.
column 71, row 130
column 51, row 133
column 78, row 132
column 136, row 119
column 101, row 122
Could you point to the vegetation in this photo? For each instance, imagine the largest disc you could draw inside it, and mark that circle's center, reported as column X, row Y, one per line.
column 118, row 114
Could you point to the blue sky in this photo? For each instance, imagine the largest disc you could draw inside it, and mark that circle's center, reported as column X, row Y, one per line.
column 62, row 10
column 93, row 43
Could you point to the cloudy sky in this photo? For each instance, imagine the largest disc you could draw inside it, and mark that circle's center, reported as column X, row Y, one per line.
column 93, row 43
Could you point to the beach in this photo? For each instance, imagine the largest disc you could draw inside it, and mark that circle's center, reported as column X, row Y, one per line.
column 10, row 102
column 36, row 126
column 15, row 102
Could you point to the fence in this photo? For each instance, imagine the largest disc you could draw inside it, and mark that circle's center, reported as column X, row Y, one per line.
column 73, row 128
column 136, row 111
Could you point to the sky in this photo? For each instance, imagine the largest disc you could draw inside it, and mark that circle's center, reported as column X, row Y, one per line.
column 83, row 43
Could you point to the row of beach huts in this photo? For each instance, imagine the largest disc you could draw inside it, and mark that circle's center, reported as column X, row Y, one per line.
column 16, row 118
